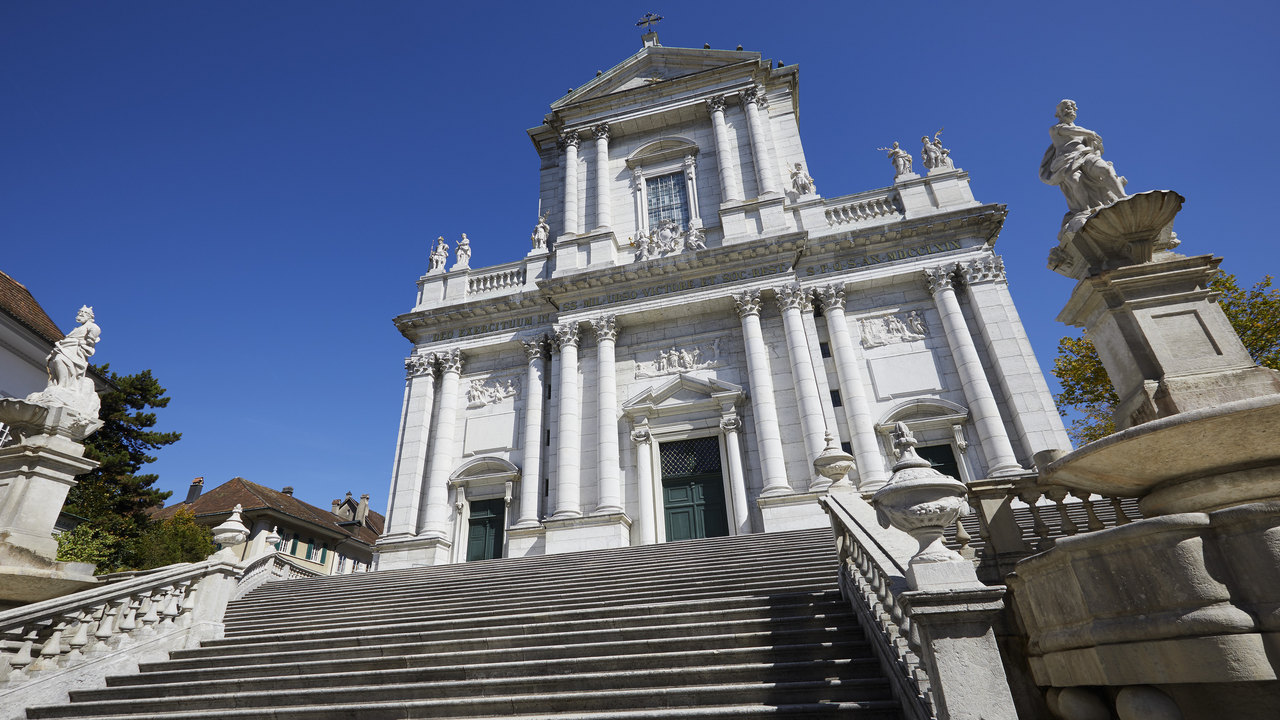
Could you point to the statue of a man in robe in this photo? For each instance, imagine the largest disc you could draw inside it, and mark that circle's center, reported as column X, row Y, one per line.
column 1074, row 163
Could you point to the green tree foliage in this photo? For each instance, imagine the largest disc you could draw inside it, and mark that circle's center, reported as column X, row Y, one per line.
column 174, row 540
column 1086, row 389
column 90, row 544
column 115, row 497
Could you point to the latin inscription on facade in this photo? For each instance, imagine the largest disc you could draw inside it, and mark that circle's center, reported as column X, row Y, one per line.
column 881, row 258
column 491, row 327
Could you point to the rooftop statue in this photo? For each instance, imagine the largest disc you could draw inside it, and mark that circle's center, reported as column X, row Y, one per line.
column 900, row 158
column 932, row 155
column 1074, row 163
column 801, row 181
column 463, row 254
column 540, row 233
column 439, row 255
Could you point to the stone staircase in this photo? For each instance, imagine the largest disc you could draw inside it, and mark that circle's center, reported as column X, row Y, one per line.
column 717, row 628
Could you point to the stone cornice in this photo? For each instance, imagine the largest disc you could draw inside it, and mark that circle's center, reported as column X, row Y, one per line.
column 983, row 222
column 418, row 321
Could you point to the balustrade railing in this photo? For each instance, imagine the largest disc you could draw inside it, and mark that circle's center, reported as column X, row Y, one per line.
column 860, row 209
column 872, row 580
column 65, row 632
column 503, row 278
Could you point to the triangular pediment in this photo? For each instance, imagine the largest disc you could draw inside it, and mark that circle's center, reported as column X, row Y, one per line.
column 683, row 393
column 652, row 66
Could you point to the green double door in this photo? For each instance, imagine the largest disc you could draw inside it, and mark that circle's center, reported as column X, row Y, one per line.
column 484, row 535
column 693, row 489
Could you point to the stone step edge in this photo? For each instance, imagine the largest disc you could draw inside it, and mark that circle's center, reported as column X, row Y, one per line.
column 320, row 679
column 240, row 627
column 229, row 660
column 625, row 621
column 157, row 670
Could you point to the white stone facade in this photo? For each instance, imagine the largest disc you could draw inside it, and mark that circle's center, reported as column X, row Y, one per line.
column 799, row 315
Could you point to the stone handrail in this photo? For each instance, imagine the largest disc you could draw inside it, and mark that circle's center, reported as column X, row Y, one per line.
column 872, row 578
column 863, row 207
column 158, row 609
column 497, row 278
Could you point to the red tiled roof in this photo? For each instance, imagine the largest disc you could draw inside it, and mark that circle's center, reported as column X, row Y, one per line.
column 16, row 301
column 251, row 496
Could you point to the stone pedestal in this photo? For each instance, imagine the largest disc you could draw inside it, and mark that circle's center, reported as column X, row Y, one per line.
column 413, row 553
column 594, row 531
column 798, row 511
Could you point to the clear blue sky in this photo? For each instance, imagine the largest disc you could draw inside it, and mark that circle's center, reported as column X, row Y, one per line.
column 246, row 191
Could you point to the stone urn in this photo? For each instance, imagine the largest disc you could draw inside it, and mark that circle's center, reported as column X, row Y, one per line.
column 230, row 533
column 834, row 465
column 923, row 503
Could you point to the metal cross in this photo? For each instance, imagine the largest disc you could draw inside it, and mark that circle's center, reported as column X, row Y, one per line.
column 648, row 19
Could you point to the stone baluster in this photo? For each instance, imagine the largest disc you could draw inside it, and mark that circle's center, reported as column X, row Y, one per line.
column 81, row 636
column 866, row 449
column 129, row 616
column 105, row 629
column 1038, row 525
column 608, row 467
column 569, row 143
column 644, row 475
column 536, row 389
column 151, row 613
column 794, row 300
column 963, row 538
column 51, row 650
column 1059, row 496
column 1095, row 523
column 768, row 434
column 753, row 99
column 731, row 426
column 170, row 610
column 437, row 515
column 405, row 515
column 604, row 212
column 19, row 661
column 730, row 191
column 569, row 433
column 982, row 403
column 1121, row 518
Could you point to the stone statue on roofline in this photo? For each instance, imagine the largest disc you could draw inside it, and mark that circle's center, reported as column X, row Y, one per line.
column 900, row 158
column 932, row 155
column 540, row 233
column 462, row 255
column 439, row 255
column 802, row 182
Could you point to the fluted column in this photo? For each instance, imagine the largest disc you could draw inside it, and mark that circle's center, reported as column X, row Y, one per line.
column 569, row 436
column 794, row 300
column 729, row 190
column 405, row 506
column 535, row 390
column 569, row 143
column 768, row 435
column 608, row 471
column 862, row 429
column 753, row 100
column 643, row 441
column 982, row 402
column 437, row 515
column 731, row 425
column 604, row 211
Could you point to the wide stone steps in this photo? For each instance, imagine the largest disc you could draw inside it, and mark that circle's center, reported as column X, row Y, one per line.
column 726, row 628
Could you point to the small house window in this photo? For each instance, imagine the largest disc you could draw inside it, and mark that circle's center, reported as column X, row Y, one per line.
column 847, row 447
column 835, row 399
column 825, row 349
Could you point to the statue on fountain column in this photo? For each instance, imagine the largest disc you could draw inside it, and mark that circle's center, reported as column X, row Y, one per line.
column 68, row 365
column 1074, row 163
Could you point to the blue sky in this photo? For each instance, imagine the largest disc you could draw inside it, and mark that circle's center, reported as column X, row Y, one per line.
column 246, row 191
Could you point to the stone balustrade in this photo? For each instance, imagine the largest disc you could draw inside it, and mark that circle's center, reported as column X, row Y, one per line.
column 873, row 580
column 49, row 646
column 497, row 279
column 864, row 207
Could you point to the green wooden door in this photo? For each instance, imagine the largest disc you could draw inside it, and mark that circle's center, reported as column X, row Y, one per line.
column 484, row 537
column 693, row 489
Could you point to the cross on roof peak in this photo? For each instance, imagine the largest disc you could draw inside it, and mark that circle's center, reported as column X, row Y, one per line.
column 648, row 20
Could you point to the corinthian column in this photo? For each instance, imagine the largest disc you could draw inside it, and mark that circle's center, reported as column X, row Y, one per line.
column 982, row 402
column 794, row 300
column 531, row 473
column 608, row 470
column 753, row 99
column 604, row 212
column 405, row 506
column 862, row 429
column 729, row 190
column 442, row 460
column 768, row 435
column 569, row 143
column 569, row 437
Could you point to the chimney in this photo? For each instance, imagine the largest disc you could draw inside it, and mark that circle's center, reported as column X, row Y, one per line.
column 193, row 492
column 362, row 510
column 336, row 504
column 287, row 490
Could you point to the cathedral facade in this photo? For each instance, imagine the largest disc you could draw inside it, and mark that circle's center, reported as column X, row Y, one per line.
column 695, row 324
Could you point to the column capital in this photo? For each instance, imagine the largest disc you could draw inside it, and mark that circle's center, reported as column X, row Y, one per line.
column 831, row 296
column 731, row 424
column 605, row 327
column 641, row 435
column 568, row 140
column 983, row 270
column 637, row 177
column 690, row 161
column 793, row 296
column 939, row 278
column 747, row 302
column 415, row 365
column 451, row 361
column 535, row 348
column 715, row 104
column 566, row 335
column 755, row 94
column 602, row 132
